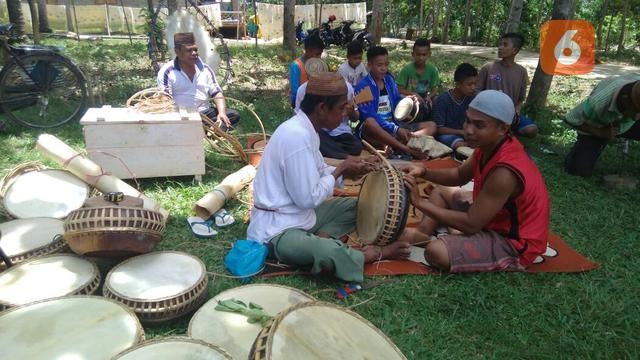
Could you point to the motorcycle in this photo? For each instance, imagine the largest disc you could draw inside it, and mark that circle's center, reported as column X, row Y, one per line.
column 364, row 37
column 300, row 35
column 342, row 35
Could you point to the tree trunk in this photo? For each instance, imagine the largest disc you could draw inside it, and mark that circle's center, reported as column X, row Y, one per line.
column 623, row 24
column 33, row 9
column 420, row 17
column 606, row 41
column 43, row 17
column 288, row 27
column 15, row 16
column 541, row 82
column 376, row 20
column 601, row 17
column 487, row 39
column 513, row 20
column 68, row 10
column 447, row 19
column 467, row 19
column 172, row 6
column 436, row 19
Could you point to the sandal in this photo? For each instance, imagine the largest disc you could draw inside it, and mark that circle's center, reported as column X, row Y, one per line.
column 223, row 219
column 201, row 228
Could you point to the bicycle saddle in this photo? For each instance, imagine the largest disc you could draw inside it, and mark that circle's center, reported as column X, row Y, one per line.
column 5, row 28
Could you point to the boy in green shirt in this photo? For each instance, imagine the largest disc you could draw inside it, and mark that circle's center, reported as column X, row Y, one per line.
column 420, row 78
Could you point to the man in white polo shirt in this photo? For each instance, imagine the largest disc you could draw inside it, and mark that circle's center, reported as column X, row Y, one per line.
column 191, row 82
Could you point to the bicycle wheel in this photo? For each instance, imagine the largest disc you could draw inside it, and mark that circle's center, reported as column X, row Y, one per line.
column 42, row 91
column 224, row 71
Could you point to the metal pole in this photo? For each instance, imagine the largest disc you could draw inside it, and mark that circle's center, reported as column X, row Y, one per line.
column 106, row 9
column 75, row 19
column 126, row 21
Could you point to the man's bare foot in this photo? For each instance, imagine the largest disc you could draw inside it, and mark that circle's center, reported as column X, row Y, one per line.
column 323, row 234
column 413, row 236
column 396, row 250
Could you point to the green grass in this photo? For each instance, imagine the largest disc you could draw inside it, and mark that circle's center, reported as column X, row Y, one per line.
column 497, row 315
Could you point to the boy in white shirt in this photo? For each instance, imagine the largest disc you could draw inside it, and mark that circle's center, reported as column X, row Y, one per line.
column 353, row 70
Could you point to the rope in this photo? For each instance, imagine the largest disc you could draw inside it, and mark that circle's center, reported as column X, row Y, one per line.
column 152, row 101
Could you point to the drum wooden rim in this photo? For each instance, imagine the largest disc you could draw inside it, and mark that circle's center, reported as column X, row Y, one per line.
column 56, row 245
column 88, row 288
column 181, row 339
column 10, row 181
column 139, row 335
column 396, row 213
column 165, row 308
column 263, row 344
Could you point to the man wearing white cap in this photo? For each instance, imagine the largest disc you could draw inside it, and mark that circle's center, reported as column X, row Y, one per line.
column 505, row 219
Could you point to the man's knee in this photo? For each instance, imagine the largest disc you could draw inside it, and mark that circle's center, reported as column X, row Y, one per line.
column 436, row 255
column 529, row 132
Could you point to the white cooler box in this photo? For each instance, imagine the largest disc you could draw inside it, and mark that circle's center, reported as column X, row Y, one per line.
column 151, row 145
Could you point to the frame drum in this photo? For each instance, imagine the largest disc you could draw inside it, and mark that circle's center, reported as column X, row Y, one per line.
column 113, row 231
column 178, row 348
column 160, row 286
column 44, row 193
column 383, row 205
column 232, row 331
column 70, row 327
column 319, row 330
column 47, row 277
column 25, row 238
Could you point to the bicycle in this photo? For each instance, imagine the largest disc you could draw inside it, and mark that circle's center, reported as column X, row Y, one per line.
column 39, row 87
column 157, row 47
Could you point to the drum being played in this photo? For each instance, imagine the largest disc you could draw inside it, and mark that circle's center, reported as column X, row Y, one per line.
column 47, row 277
column 318, row 330
column 160, row 286
column 72, row 327
column 22, row 239
column 409, row 108
column 383, row 204
column 232, row 331
column 178, row 348
column 43, row 193
column 113, row 231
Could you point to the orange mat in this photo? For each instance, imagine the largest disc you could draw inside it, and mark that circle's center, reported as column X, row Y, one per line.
column 564, row 259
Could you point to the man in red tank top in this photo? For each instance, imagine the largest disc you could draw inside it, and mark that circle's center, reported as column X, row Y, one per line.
column 504, row 221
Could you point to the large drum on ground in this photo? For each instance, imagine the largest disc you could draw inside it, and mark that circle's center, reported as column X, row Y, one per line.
column 383, row 204
column 318, row 330
column 160, row 286
column 22, row 239
column 232, row 331
column 178, row 348
column 42, row 193
column 47, row 277
column 72, row 327
column 113, row 231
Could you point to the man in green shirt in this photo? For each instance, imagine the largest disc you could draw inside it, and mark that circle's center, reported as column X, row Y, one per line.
column 420, row 78
column 611, row 110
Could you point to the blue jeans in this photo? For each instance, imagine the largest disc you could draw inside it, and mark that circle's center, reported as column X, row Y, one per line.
column 449, row 139
column 523, row 122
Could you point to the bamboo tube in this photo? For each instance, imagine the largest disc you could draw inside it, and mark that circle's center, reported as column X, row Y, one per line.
column 228, row 188
column 90, row 172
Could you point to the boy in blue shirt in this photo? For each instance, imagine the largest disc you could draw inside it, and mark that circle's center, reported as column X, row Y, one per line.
column 377, row 124
column 451, row 106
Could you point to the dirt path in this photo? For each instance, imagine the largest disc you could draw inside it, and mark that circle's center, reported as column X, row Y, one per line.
column 530, row 59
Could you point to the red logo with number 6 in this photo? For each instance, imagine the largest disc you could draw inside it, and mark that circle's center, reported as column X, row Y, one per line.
column 567, row 47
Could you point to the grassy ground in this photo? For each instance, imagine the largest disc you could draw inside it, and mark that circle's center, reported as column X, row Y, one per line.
column 590, row 315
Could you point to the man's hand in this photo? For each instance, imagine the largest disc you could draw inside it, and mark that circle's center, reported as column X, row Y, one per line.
column 403, row 135
column 416, row 153
column 419, row 98
column 608, row 133
column 223, row 119
column 412, row 185
column 355, row 167
column 413, row 170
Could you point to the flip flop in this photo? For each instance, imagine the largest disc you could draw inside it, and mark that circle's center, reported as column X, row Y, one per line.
column 223, row 219
column 201, row 228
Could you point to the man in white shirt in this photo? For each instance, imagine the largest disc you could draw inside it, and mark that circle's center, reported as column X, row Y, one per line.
column 192, row 82
column 291, row 212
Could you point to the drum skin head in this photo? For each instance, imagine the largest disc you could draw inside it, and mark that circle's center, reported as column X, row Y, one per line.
column 45, row 193
column 317, row 331
column 372, row 207
column 406, row 110
column 232, row 331
column 24, row 235
column 47, row 277
column 179, row 348
column 73, row 327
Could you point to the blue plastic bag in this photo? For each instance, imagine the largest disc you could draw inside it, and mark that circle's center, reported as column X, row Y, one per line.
column 245, row 258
